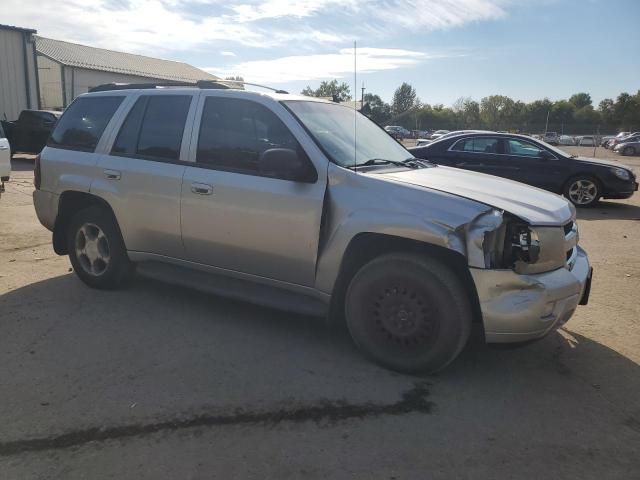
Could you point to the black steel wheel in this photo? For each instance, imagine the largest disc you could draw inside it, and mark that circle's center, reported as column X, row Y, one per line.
column 408, row 313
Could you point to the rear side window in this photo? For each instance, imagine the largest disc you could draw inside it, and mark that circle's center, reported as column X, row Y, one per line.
column 234, row 133
column 154, row 127
column 477, row 145
column 83, row 123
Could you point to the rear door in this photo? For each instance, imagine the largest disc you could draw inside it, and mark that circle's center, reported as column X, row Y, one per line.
column 479, row 154
column 141, row 173
column 236, row 217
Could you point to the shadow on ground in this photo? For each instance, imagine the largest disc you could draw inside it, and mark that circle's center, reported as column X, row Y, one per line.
column 610, row 210
column 22, row 163
column 79, row 364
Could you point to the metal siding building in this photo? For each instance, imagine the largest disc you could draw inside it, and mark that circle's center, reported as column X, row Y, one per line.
column 18, row 73
column 69, row 69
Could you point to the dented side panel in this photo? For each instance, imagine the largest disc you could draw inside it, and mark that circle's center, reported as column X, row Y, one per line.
column 368, row 203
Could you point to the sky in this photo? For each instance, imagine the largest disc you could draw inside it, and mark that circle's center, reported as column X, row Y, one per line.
column 446, row 49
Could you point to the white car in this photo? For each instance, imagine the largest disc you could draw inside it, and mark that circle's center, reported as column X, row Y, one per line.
column 5, row 159
column 438, row 133
column 586, row 141
column 567, row 140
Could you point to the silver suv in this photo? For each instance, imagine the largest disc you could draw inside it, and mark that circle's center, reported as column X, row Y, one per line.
column 306, row 205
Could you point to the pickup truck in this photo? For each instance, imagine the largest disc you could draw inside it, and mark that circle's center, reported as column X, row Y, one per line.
column 29, row 133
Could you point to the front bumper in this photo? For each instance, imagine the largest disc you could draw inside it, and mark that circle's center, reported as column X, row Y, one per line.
column 517, row 308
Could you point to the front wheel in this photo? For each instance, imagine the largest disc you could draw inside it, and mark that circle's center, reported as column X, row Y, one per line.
column 582, row 191
column 408, row 313
column 96, row 249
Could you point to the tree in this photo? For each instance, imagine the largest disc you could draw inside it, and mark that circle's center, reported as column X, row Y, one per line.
column 607, row 112
column 236, row 78
column 497, row 111
column 404, row 99
column 467, row 111
column 562, row 113
column 330, row 89
column 376, row 109
column 580, row 100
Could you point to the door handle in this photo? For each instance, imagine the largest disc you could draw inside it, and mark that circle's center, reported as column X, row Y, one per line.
column 201, row 188
column 112, row 174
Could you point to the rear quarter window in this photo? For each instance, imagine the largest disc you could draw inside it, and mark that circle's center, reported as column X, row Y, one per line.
column 83, row 123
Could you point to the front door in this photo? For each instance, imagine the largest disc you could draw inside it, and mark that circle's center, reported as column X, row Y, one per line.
column 524, row 162
column 234, row 215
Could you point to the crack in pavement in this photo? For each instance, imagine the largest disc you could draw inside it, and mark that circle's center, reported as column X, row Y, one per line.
column 412, row 401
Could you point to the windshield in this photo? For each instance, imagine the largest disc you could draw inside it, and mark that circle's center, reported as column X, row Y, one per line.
column 332, row 127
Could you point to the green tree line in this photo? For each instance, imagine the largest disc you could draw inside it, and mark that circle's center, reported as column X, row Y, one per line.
column 574, row 115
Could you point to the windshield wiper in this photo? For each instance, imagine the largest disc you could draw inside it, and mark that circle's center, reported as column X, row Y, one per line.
column 384, row 161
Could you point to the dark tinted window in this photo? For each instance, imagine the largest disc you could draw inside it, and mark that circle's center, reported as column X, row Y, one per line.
column 127, row 140
column 83, row 123
column 477, row 145
column 234, row 133
column 154, row 127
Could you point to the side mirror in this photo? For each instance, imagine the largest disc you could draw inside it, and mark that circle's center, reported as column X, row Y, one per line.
column 545, row 155
column 286, row 164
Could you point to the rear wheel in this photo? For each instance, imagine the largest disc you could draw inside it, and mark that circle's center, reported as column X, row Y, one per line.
column 408, row 313
column 96, row 249
column 629, row 151
column 582, row 191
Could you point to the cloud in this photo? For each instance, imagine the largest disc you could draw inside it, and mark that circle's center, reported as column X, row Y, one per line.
column 153, row 26
column 320, row 66
column 225, row 53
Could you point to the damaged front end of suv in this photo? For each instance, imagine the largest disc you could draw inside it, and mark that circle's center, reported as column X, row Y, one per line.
column 529, row 278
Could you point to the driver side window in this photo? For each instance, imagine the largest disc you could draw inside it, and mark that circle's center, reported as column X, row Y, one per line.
column 521, row 148
column 234, row 133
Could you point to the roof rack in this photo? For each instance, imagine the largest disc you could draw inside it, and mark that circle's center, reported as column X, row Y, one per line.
column 202, row 84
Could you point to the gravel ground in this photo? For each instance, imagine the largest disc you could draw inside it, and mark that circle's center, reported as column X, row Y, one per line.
column 159, row 382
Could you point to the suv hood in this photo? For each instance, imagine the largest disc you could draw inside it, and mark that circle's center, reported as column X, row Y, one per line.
column 538, row 207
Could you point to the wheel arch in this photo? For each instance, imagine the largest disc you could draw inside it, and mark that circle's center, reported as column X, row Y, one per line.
column 366, row 246
column 70, row 203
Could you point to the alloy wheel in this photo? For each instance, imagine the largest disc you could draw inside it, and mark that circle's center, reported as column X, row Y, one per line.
column 92, row 249
column 583, row 192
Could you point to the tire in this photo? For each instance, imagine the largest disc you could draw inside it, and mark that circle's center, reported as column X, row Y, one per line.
column 96, row 249
column 583, row 191
column 408, row 313
column 629, row 151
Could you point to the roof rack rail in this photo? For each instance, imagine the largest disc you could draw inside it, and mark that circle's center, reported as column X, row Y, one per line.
column 202, row 84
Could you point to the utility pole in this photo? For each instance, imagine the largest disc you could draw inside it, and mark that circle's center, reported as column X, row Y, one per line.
column 546, row 125
column 362, row 98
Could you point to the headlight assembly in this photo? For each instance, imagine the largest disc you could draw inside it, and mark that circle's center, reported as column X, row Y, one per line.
column 621, row 173
column 521, row 244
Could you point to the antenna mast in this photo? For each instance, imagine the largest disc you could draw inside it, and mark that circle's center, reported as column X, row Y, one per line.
column 355, row 111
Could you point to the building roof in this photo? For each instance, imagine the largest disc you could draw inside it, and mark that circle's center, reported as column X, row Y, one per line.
column 82, row 56
column 20, row 29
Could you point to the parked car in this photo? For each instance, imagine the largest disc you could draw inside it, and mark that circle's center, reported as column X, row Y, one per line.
column 5, row 159
column 552, row 138
column 566, row 140
column 586, row 141
column 179, row 182
column 623, row 138
column 582, row 180
column 438, row 133
column 423, row 141
column 29, row 133
column 628, row 148
column 605, row 140
column 397, row 132
column 611, row 143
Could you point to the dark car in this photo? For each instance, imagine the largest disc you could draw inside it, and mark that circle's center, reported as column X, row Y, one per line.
column 29, row 133
column 582, row 180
